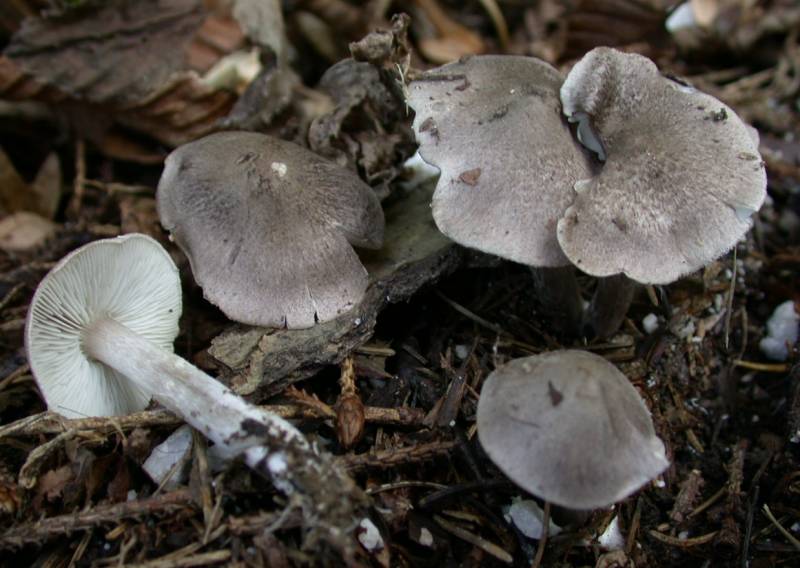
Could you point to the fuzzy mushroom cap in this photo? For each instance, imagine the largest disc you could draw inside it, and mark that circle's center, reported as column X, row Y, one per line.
column 568, row 427
column 130, row 279
column 682, row 175
column 493, row 125
column 268, row 227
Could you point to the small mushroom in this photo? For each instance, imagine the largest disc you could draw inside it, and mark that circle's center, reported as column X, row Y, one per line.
column 493, row 125
column 99, row 340
column 568, row 427
column 268, row 227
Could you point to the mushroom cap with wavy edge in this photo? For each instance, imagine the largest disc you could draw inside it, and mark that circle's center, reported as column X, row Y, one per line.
column 681, row 180
column 130, row 279
column 493, row 126
column 268, row 227
column 569, row 427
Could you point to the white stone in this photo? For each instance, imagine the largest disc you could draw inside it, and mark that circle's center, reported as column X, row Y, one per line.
column 369, row 536
column 650, row 323
column 612, row 538
column 528, row 517
column 166, row 455
column 782, row 331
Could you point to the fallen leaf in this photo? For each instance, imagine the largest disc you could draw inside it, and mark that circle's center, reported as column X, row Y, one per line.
column 24, row 231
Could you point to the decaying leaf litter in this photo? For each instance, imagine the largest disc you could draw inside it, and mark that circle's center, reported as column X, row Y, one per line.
column 391, row 387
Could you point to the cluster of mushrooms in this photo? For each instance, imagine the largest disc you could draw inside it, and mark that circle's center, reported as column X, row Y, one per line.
column 654, row 181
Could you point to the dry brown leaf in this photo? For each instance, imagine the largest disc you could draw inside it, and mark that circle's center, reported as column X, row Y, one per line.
column 15, row 195
column 102, row 77
column 52, row 483
column 138, row 215
column 24, row 231
column 454, row 40
column 47, row 187
column 118, row 54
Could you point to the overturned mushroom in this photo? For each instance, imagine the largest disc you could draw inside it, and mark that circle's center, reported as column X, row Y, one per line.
column 268, row 227
column 99, row 340
column 493, row 125
column 568, row 427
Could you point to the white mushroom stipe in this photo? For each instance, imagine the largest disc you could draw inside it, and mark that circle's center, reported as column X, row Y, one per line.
column 98, row 338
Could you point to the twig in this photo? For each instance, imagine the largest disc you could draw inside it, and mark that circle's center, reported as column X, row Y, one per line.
column 47, row 528
column 469, row 315
column 498, row 21
column 52, row 423
column 729, row 303
column 683, row 543
column 203, row 559
column 764, row 367
column 634, row 529
column 708, row 502
column 79, row 184
column 537, row 560
column 783, row 531
column 397, row 456
column 13, row 376
column 475, row 540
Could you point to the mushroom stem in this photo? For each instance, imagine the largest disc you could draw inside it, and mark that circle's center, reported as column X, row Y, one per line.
column 270, row 445
column 609, row 305
column 559, row 297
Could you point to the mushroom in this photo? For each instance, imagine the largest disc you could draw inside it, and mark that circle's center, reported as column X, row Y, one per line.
column 568, row 427
column 676, row 179
column 99, row 338
column 681, row 179
column 268, row 227
column 493, row 125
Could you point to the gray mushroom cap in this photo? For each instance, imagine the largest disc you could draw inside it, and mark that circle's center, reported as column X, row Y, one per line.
column 569, row 427
column 130, row 279
column 681, row 179
column 493, row 125
column 268, row 227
